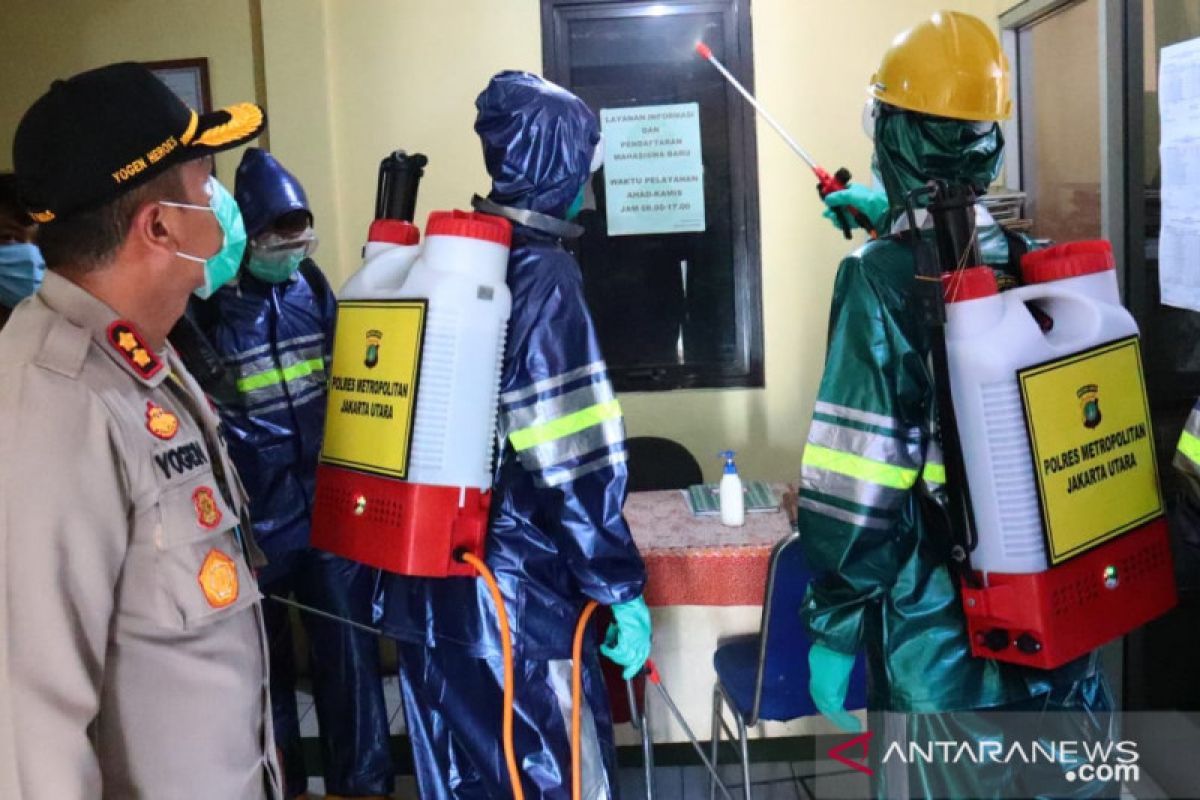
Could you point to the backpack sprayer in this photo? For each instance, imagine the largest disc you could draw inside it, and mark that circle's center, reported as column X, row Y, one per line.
column 405, row 473
column 404, row 479
column 826, row 183
column 1052, row 490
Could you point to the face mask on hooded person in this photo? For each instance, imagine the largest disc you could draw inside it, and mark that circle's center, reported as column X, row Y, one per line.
column 578, row 204
column 21, row 271
column 276, row 257
column 912, row 149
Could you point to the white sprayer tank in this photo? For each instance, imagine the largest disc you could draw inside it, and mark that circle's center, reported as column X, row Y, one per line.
column 989, row 337
column 392, row 247
column 461, row 272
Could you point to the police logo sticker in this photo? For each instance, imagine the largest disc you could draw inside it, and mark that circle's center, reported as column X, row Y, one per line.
column 372, row 357
column 207, row 512
column 133, row 349
column 160, row 422
column 1089, row 404
column 218, row 579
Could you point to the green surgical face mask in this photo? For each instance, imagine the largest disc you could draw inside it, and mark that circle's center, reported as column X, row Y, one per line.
column 576, row 205
column 275, row 257
column 912, row 149
column 222, row 266
column 275, row 269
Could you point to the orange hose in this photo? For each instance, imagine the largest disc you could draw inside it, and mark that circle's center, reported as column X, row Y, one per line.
column 577, row 701
column 510, row 750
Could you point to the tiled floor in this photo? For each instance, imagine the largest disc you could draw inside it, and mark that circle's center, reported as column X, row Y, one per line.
column 391, row 694
column 775, row 781
column 769, row 782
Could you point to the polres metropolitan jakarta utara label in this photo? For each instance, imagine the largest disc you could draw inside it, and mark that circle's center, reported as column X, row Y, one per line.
column 1093, row 446
column 373, row 385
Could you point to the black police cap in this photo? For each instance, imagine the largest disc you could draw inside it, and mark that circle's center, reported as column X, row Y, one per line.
column 95, row 136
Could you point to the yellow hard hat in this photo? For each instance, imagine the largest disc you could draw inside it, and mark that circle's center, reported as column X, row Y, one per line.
column 950, row 65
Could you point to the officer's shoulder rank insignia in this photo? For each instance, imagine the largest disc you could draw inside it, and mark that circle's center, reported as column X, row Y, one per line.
column 126, row 340
column 218, row 579
column 207, row 512
column 160, row 422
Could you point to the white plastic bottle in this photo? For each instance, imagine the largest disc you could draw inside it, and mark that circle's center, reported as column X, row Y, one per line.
column 733, row 502
column 392, row 247
column 461, row 272
column 989, row 337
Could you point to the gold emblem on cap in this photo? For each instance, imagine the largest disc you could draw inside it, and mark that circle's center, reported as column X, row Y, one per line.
column 190, row 130
column 244, row 119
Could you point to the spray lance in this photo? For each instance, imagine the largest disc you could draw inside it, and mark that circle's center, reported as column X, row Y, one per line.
column 826, row 183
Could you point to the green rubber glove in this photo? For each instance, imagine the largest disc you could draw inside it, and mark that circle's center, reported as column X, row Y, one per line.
column 628, row 639
column 871, row 202
column 828, row 682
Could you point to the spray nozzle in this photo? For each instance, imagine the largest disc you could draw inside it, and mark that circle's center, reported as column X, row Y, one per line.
column 396, row 192
column 730, row 466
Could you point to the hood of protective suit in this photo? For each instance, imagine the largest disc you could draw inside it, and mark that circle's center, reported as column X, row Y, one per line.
column 538, row 140
column 912, row 149
column 265, row 191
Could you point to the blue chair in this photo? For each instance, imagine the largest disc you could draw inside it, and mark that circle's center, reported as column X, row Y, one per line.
column 764, row 676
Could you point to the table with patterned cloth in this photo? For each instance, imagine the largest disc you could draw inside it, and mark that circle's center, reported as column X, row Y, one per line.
column 697, row 561
column 705, row 583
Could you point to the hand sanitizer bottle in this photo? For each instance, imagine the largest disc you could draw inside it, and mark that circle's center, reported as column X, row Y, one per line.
column 733, row 504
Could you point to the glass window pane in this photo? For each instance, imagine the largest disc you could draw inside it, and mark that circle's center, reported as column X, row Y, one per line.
column 1060, row 122
column 1172, row 335
column 667, row 305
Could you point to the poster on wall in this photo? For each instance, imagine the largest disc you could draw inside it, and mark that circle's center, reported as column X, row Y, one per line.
column 1179, row 154
column 653, row 173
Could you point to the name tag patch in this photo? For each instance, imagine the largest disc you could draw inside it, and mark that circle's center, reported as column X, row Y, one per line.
column 181, row 460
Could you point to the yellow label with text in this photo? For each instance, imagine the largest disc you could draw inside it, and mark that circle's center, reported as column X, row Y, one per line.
column 1093, row 447
column 373, row 385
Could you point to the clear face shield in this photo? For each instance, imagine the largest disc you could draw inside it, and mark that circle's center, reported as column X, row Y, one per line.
column 869, row 113
column 278, row 246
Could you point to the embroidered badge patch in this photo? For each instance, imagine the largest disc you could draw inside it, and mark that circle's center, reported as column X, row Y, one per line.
column 207, row 512
column 160, row 422
column 129, row 343
column 218, row 579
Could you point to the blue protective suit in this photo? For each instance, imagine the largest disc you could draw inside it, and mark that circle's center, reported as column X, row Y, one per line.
column 557, row 536
column 276, row 341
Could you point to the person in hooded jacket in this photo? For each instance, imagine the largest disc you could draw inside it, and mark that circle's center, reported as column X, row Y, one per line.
column 272, row 329
column 21, row 264
column 557, row 536
column 872, row 488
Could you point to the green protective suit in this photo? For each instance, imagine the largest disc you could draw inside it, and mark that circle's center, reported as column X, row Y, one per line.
column 870, row 505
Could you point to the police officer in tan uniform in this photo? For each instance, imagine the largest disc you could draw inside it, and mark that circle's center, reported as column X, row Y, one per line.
column 132, row 657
